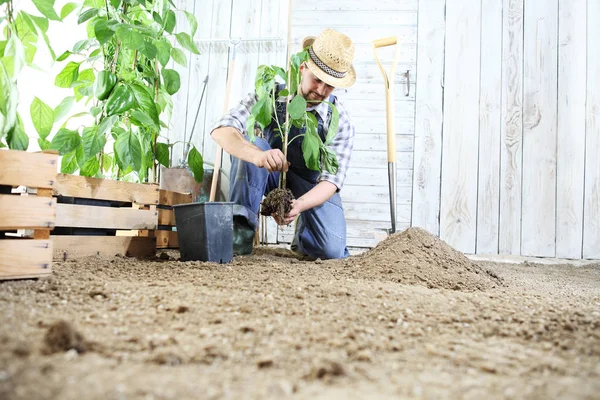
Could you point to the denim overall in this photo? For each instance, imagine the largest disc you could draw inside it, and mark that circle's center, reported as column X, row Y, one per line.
column 320, row 231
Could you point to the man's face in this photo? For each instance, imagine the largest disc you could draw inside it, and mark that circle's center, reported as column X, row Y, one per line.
column 312, row 88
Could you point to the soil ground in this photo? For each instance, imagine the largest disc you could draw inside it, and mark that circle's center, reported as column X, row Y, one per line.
column 411, row 318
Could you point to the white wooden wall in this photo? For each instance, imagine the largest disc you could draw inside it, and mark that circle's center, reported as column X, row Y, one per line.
column 498, row 141
column 517, row 157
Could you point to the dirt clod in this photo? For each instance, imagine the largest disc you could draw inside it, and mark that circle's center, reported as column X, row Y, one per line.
column 324, row 369
column 277, row 203
column 61, row 336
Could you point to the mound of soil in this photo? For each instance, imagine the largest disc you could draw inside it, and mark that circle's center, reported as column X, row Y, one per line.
column 61, row 336
column 416, row 257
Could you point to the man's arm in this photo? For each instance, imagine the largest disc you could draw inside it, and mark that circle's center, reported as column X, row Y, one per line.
column 232, row 141
column 313, row 198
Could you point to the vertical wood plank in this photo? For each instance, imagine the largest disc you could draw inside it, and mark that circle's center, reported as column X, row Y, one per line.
column 218, row 55
column 512, row 128
column 177, row 126
column 540, row 96
column 429, row 116
column 198, row 72
column 572, row 63
column 490, row 117
column 461, row 125
column 591, row 232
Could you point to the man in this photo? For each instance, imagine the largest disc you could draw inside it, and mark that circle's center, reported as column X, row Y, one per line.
column 321, row 227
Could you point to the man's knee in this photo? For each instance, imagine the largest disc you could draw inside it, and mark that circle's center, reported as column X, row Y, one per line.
column 326, row 248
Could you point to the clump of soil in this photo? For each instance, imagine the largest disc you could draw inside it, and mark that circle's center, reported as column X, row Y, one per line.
column 277, row 203
column 61, row 336
column 416, row 257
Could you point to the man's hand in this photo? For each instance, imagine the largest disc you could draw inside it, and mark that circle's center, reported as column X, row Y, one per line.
column 272, row 160
column 297, row 207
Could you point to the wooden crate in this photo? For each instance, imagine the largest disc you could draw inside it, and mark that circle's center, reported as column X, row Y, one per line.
column 139, row 212
column 166, row 238
column 36, row 210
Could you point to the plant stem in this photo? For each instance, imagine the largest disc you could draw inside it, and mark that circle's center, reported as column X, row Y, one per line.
column 155, row 139
column 135, row 56
column 283, row 180
column 9, row 17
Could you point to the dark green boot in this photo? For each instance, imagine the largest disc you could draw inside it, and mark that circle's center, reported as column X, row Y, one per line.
column 243, row 236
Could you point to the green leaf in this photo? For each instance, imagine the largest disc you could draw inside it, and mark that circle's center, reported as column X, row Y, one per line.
column 129, row 151
column 129, row 37
column 250, row 123
column 330, row 161
column 68, row 164
column 193, row 23
column 90, row 167
column 115, row 3
column 63, row 108
column 68, row 75
column 87, row 14
column 67, row 9
column 107, row 124
column 297, row 107
column 148, row 49
column 44, row 144
column 46, row 7
column 172, row 80
column 42, row 117
column 95, row 111
column 156, row 17
column 170, row 21
column 93, row 142
column 14, row 56
column 107, row 162
column 162, row 154
column 262, row 112
column 146, row 101
column 64, row 56
column 16, row 138
column 186, row 42
column 65, row 141
column 104, row 30
column 140, row 118
column 333, row 124
column 163, row 48
column 196, row 164
column 179, row 56
column 311, row 143
column 42, row 27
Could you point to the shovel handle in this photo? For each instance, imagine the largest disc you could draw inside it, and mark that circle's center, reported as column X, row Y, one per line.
column 385, row 42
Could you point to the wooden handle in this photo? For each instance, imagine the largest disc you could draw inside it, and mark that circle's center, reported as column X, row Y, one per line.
column 219, row 155
column 390, row 122
column 385, row 41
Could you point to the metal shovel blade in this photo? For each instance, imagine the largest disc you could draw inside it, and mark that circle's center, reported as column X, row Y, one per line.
column 392, row 184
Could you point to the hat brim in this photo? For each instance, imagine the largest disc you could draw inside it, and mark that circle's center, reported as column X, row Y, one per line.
column 348, row 80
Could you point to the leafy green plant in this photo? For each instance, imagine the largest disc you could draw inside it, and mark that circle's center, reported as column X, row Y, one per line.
column 315, row 151
column 21, row 34
column 120, row 72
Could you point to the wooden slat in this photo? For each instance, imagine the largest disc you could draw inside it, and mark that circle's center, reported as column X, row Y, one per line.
column 538, row 236
column 358, row 5
column 490, row 114
column 512, row 128
column 571, row 128
column 347, row 17
column 25, row 258
column 168, row 198
column 166, row 217
column 166, row 239
column 429, row 116
column 105, row 189
column 458, row 205
column 73, row 247
column 27, row 169
column 43, row 233
column 591, row 233
column 26, row 212
column 77, row 216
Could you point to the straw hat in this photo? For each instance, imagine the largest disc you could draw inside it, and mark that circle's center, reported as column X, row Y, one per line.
column 331, row 54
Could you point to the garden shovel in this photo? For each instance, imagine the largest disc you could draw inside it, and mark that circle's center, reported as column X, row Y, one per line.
column 391, row 134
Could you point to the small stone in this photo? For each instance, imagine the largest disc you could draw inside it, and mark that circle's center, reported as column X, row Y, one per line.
column 265, row 363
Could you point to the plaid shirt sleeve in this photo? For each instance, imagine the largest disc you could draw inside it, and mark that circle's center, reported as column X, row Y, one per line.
column 342, row 144
column 238, row 115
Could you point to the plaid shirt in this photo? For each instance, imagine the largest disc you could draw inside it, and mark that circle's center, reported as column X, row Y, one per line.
column 342, row 143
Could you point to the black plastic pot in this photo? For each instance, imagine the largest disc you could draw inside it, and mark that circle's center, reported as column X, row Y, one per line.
column 205, row 231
